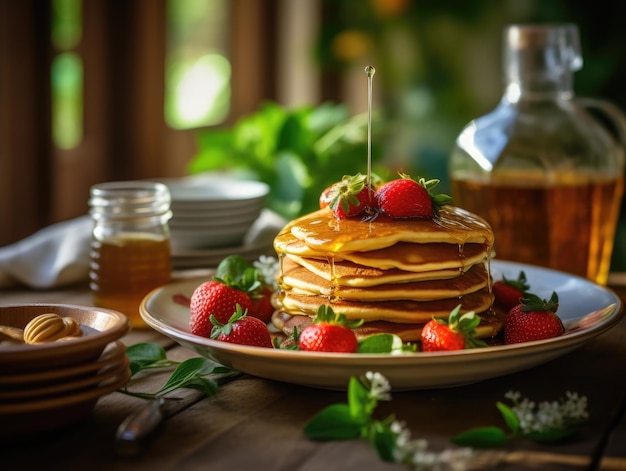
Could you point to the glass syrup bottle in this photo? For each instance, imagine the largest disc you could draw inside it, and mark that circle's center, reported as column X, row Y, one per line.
column 544, row 168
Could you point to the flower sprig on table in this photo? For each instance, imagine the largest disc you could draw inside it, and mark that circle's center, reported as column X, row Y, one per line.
column 544, row 422
column 389, row 437
column 194, row 373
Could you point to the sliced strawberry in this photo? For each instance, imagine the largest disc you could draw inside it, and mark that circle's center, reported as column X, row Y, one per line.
column 533, row 319
column 242, row 329
column 457, row 332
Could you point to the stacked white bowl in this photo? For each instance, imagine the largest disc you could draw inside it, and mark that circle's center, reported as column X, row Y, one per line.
column 213, row 211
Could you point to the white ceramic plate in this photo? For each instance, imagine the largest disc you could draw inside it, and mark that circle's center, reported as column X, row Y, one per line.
column 586, row 309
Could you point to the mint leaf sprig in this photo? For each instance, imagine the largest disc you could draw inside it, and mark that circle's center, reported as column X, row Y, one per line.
column 193, row 373
column 545, row 422
column 389, row 437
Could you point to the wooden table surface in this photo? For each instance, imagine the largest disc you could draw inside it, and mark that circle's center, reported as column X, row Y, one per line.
column 256, row 424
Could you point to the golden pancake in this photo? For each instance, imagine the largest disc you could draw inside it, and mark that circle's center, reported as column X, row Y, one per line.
column 402, row 311
column 395, row 274
column 490, row 324
column 421, row 257
column 403, row 255
column 302, row 281
column 351, row 274
column 322, row 232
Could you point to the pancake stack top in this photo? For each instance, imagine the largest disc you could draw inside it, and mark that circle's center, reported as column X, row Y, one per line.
column 395, row 274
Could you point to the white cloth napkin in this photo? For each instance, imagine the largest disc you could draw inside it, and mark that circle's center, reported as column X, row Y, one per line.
column 56, row 255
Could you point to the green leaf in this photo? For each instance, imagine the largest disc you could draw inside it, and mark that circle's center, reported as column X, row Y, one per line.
column 383, row 440
column 237, row 272
column 361, row 403
column 553, row 435
column 384, row 343
column 294, row 136
column 335, row 422
column 216, row 149
column 189, row 373
column 232, row 266
column 146, row 355
column 510, row 417
column 481, row 437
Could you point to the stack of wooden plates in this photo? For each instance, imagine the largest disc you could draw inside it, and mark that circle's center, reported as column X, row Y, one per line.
column 52, row 384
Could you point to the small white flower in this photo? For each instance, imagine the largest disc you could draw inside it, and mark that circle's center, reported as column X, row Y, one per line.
column 268, row 267
column 548, row 415
column 379, row 386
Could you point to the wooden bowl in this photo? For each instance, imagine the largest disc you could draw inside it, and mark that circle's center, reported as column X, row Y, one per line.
column 100, row 327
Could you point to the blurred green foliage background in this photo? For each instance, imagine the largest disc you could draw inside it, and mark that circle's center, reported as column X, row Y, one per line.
column 438, row 66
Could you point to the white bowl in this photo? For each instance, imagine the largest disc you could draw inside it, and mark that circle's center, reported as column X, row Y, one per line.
column 247, row 212
column 215, row 191
column 211, row 238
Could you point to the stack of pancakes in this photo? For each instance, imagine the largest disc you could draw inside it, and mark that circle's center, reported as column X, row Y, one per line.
column 395, row 274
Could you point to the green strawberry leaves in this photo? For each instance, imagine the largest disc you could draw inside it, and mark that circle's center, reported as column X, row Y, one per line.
column 439, row 200
column 464, row 324
column 344, row 193
column 325, row 313
column 533, row 303
column 521, row 283
column 227, row 328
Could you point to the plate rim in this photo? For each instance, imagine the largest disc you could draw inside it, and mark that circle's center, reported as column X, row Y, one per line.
column 569, row 341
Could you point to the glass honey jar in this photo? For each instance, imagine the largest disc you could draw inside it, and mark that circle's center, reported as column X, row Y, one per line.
column 130, row 248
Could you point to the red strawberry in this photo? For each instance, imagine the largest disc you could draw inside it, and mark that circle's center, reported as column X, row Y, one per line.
column 407, row 198
column 508, row 293
column 329, row 332
column 214, row 298
column 242, row 329
column 262, row 307
column 325, row 197
column 350, row 197
column 533, row 319
column 457, row 332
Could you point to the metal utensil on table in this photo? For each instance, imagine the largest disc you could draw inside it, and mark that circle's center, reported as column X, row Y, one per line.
column 138, row 427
